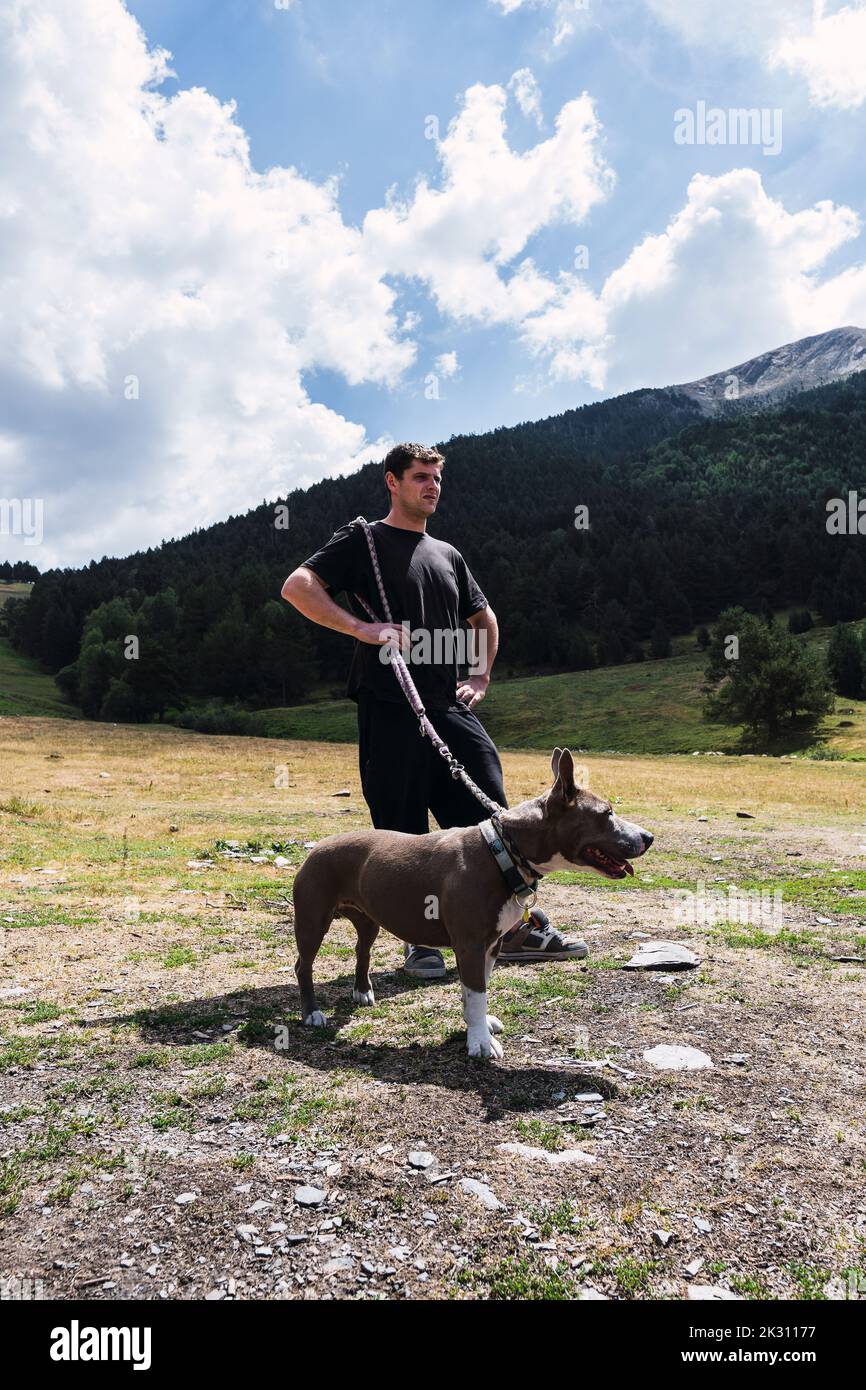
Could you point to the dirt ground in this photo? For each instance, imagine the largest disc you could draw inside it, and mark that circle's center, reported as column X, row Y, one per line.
column 162, row 1110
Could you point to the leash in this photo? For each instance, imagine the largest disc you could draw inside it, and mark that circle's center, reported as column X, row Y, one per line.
column 507, row 856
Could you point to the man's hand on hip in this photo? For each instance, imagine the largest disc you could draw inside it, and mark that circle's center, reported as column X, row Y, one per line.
column 473, row 690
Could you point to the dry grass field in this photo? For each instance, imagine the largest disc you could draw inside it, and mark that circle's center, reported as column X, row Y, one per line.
column 161, row 1106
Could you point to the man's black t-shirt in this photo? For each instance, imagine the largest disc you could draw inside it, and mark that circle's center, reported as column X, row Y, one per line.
column 427, row 584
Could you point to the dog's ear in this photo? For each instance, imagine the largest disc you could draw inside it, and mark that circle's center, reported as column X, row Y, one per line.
column 564, row 773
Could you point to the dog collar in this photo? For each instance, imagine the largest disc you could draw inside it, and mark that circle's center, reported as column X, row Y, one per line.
column 515, row 880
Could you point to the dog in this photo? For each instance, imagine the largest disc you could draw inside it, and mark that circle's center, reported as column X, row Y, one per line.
column 446, row 889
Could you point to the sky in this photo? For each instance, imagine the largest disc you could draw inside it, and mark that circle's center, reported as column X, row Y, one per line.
column 247, row 244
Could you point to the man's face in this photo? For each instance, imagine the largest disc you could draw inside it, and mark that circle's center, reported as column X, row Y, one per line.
column 418, row 490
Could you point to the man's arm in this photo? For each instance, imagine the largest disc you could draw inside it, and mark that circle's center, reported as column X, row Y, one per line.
column 308, row 593
column 486, row 628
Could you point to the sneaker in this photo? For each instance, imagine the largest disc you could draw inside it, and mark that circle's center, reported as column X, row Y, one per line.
column 424, row 963
column 542, row 942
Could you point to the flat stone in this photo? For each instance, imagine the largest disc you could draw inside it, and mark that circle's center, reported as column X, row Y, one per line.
column 668, row 1057
column 420, row 1158
column 663, row 1238
column 694, row 1268
column 554, row 1160
column 310, row 1196
column 662, row 955
column 712, row 1291
column 588, row 1097
column 486, row 1197
column 338, row 1263
column 184, row 1199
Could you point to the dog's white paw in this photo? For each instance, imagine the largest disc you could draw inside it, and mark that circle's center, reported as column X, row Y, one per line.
column 368, row 999
column 493, row 1024
column 483, row 1045
column 316, row 1019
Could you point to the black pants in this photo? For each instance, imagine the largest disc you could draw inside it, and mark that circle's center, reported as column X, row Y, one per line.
column 403, row 776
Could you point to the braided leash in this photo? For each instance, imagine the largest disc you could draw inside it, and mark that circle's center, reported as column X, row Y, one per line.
column 407, row 685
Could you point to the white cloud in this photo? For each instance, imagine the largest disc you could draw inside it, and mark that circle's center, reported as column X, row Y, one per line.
column 665, row 314
column 139, row 242
column 136, row 240
column 527, row 94
column 462, row 237
column 825, row 43
column 565, row 14
column 446, row 364
column 832, row 57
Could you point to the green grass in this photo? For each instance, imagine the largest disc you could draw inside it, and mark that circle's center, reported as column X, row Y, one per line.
column 24, row 687
column 643, row 707
column 539, row 1134
column 520, row 1279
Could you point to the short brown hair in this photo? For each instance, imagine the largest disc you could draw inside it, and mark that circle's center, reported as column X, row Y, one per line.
column 400, row 457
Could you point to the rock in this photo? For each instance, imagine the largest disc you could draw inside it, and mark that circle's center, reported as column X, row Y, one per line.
column 825, row 921
column 310, row 1196
column 745, row 815
column 264, row 1251
column 737, row 1059
column 589, row 1295
column 554, row 1160
column 281, row 862
column 480, row 1190
column 338, row 1263
column 258, row 1206
column 667, row 1057
column 588, row 1097
column 344, row 792
column 14, row 992
column 420, row 1158
column 185, row 1198
column 694, row 1268
column 703, row 819
column 712, row 1291
column 731, row 1169
column 662, row 955
column 663, row 1238
column 702, row 1225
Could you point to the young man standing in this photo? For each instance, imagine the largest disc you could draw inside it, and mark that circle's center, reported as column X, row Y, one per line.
column 430, row 588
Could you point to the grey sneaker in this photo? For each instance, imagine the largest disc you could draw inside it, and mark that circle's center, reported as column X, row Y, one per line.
column 424, row 963
column 543, row 942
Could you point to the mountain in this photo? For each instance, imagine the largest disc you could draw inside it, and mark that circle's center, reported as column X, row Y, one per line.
column 689, row 512
column 775, row 376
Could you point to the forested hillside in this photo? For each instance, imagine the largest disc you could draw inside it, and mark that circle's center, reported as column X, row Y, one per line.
column 684, row 519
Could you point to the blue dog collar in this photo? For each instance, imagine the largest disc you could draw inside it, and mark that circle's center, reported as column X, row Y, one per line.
column 520, row 889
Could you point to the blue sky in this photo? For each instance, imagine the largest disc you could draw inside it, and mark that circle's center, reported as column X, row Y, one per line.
column 162, row 367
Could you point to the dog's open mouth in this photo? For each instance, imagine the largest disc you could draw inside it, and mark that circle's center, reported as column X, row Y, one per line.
column 606, row 864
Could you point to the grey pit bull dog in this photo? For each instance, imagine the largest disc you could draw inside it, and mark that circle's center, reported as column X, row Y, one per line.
column 446, row 889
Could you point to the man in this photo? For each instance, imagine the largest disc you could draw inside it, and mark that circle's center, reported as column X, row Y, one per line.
column 430, row 588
